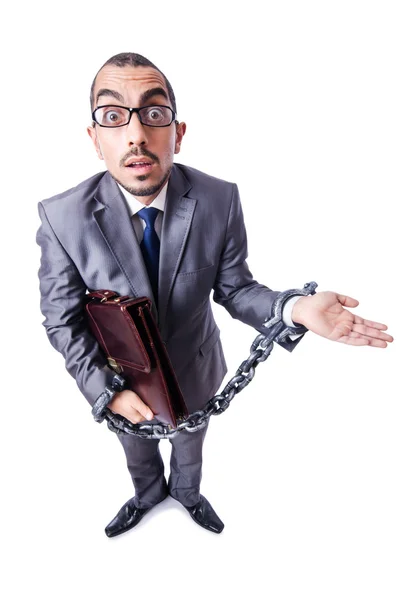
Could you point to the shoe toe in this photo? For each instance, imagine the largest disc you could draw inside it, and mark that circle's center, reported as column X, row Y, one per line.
column 204, row 515
column 127, row 517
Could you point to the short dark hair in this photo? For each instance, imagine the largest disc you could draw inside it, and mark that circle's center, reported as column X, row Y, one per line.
column 133, row 60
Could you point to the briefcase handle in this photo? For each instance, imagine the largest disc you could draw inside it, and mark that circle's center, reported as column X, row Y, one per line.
column 104, row 295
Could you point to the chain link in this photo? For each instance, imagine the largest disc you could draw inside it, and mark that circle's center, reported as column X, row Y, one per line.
column 260, row 351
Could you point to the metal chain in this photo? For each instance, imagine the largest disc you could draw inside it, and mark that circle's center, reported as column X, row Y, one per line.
column 260, row 351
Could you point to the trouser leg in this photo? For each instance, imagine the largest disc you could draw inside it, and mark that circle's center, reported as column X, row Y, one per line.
column 185, row 466
column 146, row 468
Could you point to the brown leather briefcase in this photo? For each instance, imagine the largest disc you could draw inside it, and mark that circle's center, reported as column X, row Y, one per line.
column 127, row 333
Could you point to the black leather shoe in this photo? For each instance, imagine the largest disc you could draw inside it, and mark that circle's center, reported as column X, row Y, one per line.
column 128, row 516
column 204, row 515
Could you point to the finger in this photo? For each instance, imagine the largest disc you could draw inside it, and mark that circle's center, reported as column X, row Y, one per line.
column 375, row 324
column 371, row 332
column 134, row 416
column 354, row 341
column 357, row 339
column 347, row 300
column 142, row 408
column 130, row 413
column 375, row 342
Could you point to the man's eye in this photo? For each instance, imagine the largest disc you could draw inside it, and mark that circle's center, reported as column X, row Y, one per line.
column 112, row 116
column 155, row 114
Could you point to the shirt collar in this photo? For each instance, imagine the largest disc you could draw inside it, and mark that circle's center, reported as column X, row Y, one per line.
column 134, row 204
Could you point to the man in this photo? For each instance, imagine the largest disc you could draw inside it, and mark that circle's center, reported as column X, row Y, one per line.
column 149, row 227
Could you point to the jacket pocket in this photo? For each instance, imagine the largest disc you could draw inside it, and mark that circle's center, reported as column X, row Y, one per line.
column 193, row 275
column 210, row 341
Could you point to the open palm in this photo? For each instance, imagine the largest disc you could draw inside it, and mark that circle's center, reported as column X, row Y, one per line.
column 324, row 314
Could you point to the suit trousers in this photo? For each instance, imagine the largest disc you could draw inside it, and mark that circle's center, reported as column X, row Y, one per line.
column 146, row 468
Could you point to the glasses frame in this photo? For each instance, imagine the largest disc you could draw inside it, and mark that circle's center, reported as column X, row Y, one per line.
column 132, row 111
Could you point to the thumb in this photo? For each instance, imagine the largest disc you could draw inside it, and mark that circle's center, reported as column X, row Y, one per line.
column 140, row 406
column 347, row 300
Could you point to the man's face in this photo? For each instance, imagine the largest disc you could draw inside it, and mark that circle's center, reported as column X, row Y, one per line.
column 135, row 87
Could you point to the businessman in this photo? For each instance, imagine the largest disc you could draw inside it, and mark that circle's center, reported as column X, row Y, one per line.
column 147, row 226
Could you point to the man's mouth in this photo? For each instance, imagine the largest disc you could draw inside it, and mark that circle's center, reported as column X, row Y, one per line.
column 138, row 162
column 141, row 166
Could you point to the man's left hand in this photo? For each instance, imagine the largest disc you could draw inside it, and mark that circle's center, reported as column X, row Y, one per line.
column 324, row 314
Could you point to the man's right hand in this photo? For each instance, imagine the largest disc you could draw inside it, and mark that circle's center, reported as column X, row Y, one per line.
column 129, row 405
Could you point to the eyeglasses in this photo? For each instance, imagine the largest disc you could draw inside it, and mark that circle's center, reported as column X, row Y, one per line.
column 117, row 116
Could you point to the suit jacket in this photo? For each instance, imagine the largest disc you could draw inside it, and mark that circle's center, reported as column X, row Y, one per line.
column 88, row 242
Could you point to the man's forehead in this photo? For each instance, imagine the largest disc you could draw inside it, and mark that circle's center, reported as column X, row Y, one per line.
column 129, row 77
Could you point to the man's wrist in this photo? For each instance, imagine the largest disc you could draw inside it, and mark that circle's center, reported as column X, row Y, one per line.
column 297, row 311
column 99, row 407
column 288, row 310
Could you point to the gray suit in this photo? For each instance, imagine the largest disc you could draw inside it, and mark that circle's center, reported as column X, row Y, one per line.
column 88, row 242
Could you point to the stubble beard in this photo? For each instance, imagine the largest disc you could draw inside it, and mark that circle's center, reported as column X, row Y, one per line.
column 145, row 191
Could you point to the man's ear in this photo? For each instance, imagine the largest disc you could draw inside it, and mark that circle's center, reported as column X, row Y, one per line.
column 180, row 132
column 91, row 130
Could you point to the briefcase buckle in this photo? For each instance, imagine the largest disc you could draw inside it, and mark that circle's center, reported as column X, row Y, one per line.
column 115, row 365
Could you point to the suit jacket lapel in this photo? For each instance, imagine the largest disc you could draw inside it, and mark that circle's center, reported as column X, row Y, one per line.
column 177, row 220
column 115, row 224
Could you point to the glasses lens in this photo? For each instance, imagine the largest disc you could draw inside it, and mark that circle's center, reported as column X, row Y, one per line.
column 112, row 116
column 156, row 116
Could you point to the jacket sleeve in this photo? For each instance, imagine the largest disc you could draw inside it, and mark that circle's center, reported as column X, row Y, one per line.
column 62, row 303
column 235, row 289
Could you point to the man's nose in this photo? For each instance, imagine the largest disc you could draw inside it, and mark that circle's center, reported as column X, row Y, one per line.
column 136, row 132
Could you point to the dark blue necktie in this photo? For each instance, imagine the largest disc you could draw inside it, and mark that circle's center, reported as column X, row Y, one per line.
column 150, row 247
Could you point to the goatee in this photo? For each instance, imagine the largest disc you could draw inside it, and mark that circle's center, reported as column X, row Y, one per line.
column 146, row 191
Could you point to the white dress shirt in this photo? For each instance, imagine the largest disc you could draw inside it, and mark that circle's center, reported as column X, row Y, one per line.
column 134, row 205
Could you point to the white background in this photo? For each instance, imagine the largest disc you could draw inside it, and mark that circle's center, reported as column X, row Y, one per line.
column 296, row 103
